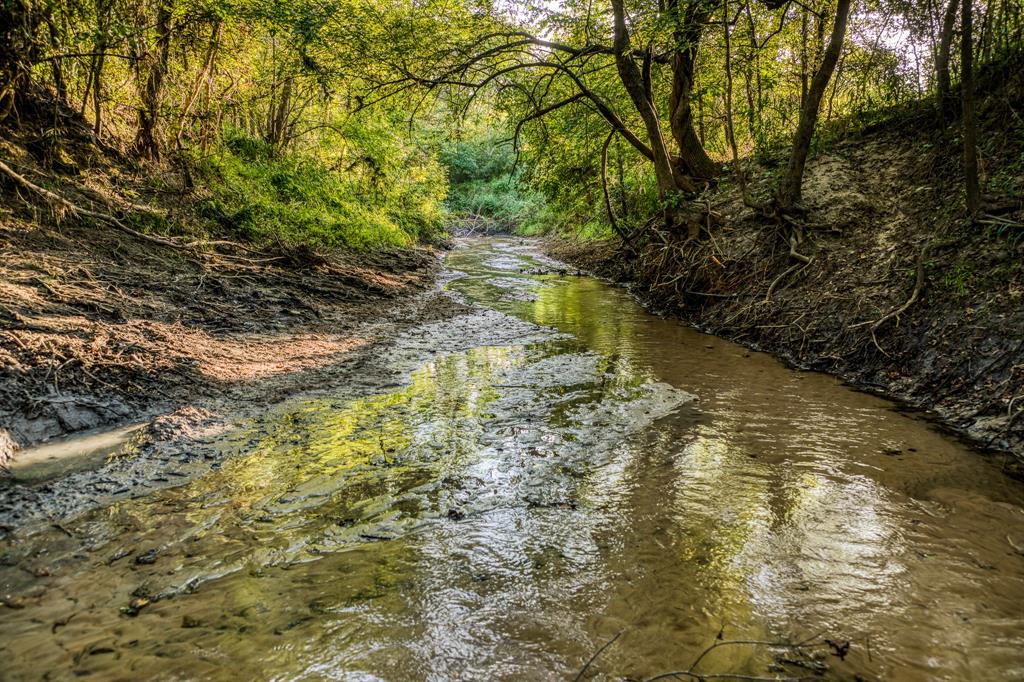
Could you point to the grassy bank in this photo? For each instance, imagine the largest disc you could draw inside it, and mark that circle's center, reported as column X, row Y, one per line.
column 128, row 287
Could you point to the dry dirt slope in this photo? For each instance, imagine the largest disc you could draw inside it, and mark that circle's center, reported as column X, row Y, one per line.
column 96, row 328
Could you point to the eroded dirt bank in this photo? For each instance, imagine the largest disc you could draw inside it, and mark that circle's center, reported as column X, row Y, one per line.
column 100, row 328
column 884, row 224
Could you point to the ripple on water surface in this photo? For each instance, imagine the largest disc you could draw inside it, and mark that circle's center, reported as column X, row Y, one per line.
column 556, row 468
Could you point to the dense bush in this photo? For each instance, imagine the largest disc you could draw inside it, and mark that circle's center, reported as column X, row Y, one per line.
column 484, row 182
column 374, row 194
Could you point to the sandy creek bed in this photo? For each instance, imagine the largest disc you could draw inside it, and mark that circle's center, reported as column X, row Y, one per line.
column 499, row 494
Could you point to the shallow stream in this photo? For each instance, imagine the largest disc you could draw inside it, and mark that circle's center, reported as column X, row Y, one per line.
column 555, row 470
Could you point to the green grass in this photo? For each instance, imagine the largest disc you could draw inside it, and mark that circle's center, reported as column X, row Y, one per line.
column 299, row 198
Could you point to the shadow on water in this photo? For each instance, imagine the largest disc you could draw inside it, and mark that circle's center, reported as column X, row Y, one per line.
column 515, row 505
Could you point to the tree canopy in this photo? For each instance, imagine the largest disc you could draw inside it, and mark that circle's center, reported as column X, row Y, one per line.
column 627, row 108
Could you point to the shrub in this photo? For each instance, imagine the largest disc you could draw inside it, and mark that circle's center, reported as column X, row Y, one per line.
column 307, row 197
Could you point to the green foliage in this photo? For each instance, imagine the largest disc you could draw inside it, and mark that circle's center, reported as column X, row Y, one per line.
column 299, row 198
column 480, row 158
column 570, row 179
column 485, row 183
column 329, row 120
column 958, row 279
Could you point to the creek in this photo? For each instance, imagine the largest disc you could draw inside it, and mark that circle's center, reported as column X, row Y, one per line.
column 554, row 470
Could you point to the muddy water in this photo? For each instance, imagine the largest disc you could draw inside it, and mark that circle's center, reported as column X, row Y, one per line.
column 544, row 474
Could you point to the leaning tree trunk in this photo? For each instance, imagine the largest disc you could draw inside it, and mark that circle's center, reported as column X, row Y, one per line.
column 635, row 82
column 943, row 82
column 693, row 157
column 789, row 192
column 970, row 124
column 146, row 143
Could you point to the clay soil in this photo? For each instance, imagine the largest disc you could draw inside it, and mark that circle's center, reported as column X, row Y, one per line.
column 100, row 328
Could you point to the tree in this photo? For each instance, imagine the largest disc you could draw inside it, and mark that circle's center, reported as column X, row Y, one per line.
column 943, row 82
column 18, row 48
column 970, row 125
column 563, row 74
column 790, row 190
column 146, row 142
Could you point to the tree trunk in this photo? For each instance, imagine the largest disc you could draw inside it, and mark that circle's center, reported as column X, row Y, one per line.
column 278, row 115
column 693, row 157
column 146, row 143
column 789, row 193
column 672, row 184
column 943, row 82
column 202, row 79
column 97, row 82
column 96, row 72
column 730, row 129
column 622, row 180
column 804, row 69
column 55, row 64
column 18, row 49
column 971, row 181
column 633, row 81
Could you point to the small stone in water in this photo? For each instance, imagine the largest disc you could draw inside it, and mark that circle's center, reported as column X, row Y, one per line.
column 134, row 606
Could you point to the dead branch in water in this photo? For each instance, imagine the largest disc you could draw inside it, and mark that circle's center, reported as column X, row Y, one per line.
column 593, row 658
column 692, row 673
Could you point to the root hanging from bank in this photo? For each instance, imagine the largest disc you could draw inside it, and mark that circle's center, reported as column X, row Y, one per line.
column 896, row 312
column 60, row 205
column 203, row 252
column 199, row 250
column 676, row 265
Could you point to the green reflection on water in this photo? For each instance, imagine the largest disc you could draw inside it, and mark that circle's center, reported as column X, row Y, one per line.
column 329, row 549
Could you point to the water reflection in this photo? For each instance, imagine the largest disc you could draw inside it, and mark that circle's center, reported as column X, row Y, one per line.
column 513, row 507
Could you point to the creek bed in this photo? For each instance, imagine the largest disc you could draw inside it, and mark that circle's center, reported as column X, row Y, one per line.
column 553, row 471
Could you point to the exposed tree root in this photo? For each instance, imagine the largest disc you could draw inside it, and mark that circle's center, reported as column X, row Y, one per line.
column 55, row 199
column 801, row 266
column 896, row 312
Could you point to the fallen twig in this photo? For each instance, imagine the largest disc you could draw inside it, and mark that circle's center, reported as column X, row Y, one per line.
column 692, row 673
column 593, row 658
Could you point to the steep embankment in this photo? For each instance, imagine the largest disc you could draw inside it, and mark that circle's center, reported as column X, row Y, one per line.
column 904, row 295
column 102, row 324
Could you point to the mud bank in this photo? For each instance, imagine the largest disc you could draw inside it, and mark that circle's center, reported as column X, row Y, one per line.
column 903, row 296
column 98, row 329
